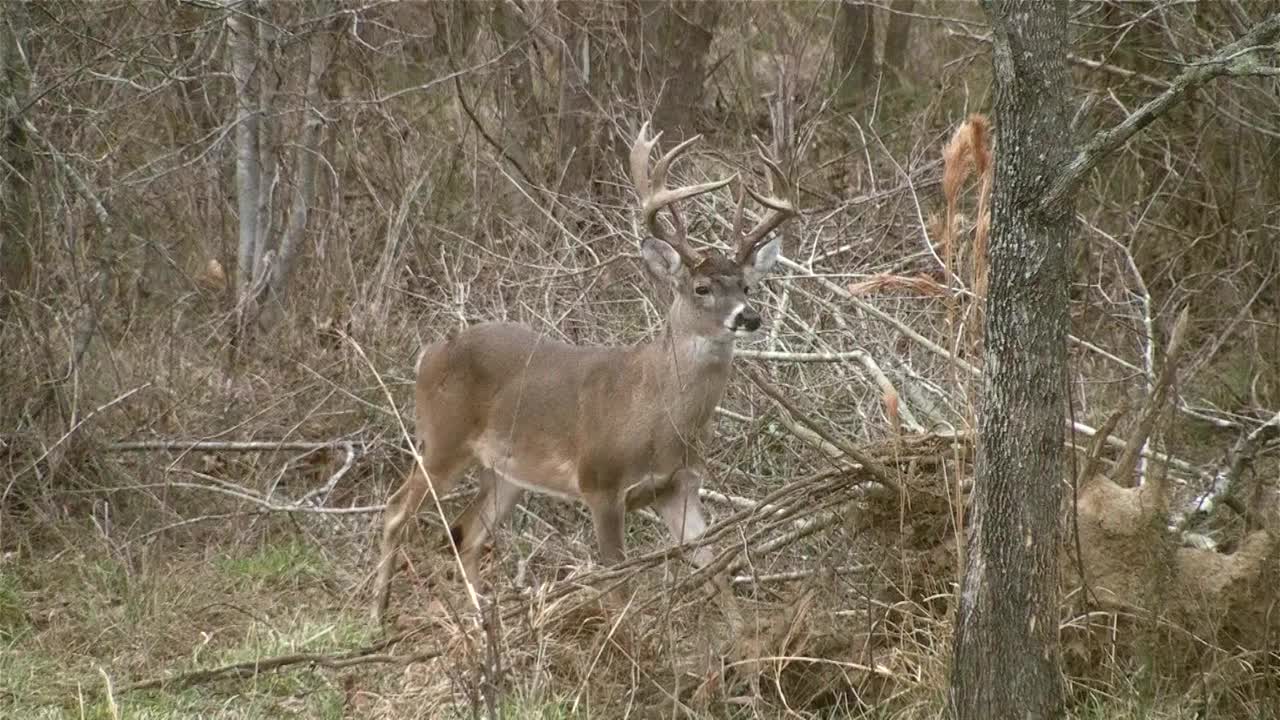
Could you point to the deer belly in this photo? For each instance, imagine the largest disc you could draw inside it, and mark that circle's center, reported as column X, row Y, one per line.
column 547, row 474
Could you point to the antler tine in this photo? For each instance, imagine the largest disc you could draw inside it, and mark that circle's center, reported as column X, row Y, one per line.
column 780, row 208
column 640, row 150
column 655, row 195
column 739, row 213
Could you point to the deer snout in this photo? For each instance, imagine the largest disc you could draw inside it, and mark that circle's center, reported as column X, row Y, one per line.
column 746, row 319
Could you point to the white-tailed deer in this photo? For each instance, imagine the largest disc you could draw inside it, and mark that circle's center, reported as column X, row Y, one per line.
column 615, row 427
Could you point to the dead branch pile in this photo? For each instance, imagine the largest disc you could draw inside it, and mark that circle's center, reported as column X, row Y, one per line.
column 1133, row 563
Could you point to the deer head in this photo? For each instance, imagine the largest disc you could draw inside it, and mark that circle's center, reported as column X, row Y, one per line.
column 711, row 289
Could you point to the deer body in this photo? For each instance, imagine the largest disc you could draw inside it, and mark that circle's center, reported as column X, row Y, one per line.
column 614, row 427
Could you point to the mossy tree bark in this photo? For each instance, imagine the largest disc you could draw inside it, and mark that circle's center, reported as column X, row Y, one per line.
column 1005, row 663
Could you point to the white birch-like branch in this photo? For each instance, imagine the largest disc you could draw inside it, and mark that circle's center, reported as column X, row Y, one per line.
column 240, row 48
column 307, row 159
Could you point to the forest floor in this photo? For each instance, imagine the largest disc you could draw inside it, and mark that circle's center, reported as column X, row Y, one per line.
column 82, row 623
column 79, row 624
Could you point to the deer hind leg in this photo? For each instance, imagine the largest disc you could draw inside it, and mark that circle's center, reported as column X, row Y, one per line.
column 477, row 523
column 401, row 507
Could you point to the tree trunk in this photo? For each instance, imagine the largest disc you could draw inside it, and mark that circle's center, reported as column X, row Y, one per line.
column 307, row 157
column 897, row 39
column 1005, row 663
column 677, row 38
column 268, row 79
column 519, row 131
column 15, row 150
column 577, row 129
column 241, row 47
column 854, row 43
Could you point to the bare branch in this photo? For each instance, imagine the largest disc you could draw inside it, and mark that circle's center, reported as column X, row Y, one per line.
column 252, row 668
column 874, row 466
column 181, row 445
column 1155, row 403
column 1236, row 59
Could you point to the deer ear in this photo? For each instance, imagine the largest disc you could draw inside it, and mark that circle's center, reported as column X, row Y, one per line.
column 762, row 260
column 661, row 259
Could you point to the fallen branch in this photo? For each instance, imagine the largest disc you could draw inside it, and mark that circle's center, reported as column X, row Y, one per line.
column 224, row 445
column 370, row 654
column 796, row 575
column 317, row 497
column 872, row 465
column 1225, row 486
column 869, row 363
column 969, row 368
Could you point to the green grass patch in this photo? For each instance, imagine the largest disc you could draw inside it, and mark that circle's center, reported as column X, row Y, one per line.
column 301, row 634
column 517, row 708
column 281, row 564
column 322, row 702
column 13, row 614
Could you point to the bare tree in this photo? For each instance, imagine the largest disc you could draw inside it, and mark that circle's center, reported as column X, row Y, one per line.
column 16, row 162
column 897, row 38
column 1006, row 644
column 579, row 123
column 854, row 43
column 241, row 49
column 1006, row 647
column 265, row 257
column 677, row 39
column 307, row 158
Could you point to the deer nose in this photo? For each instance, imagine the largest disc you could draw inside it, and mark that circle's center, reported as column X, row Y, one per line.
column 748, row 319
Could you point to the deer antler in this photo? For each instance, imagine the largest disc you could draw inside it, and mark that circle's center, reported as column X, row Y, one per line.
column 780, row 208
column 655, row 195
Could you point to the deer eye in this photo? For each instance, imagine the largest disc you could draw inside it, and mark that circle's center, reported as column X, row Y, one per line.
column 746, row 289
column 702, row 290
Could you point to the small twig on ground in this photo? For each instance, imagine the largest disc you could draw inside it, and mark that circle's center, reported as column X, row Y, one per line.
column 224, row 445
column 795, row 575
column 317, row 497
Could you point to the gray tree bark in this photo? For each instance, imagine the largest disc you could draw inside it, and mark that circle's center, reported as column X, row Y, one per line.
column 854, row 44
column 241, row 47
column 520, row 131
column 577, row 147
column 15, row 151
column 1005, row 662
column 307, row 159
column 897, row 39
column 677, row 39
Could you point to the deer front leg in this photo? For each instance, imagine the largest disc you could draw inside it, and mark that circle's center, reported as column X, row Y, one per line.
column 681, row 510
column 608, row 519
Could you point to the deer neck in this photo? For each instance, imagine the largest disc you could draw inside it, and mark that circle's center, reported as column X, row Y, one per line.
column 692, row 371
